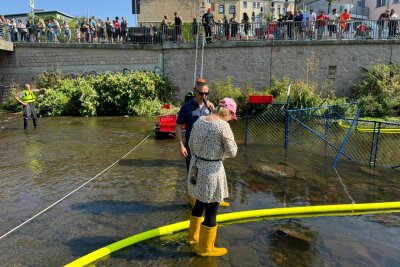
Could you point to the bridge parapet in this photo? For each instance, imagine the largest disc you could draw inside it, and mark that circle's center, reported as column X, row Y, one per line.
column 6, row 46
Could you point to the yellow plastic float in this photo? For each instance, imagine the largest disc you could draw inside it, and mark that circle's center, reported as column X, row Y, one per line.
column 371, row 130
column 275, row 213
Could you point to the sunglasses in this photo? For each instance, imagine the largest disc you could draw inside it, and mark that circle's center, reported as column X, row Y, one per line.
column 201, row 93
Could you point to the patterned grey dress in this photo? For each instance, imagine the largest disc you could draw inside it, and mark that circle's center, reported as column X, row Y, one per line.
column 210, row 141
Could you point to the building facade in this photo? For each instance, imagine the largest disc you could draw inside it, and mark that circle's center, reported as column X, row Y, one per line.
column 377, row 7
column 152, row 11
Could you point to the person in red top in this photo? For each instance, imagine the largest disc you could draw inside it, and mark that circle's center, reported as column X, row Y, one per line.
column 117, row 28
column 322, row 19
column 344, row 19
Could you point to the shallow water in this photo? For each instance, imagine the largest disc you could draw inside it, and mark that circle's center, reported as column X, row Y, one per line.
column 147, row 189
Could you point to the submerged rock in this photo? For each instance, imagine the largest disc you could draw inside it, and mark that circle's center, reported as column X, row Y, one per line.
column 294, row 233
column 274, row 171
column 270, row 172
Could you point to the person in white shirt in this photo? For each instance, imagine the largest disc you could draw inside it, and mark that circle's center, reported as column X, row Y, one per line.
column 311, row 17
column 332, row 24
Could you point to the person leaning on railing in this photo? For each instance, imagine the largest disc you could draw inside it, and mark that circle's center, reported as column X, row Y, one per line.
column 234, row 26
column 381, row 22
column 393, row 23
column 344, row 22
column 321, row 24
column 40, row 29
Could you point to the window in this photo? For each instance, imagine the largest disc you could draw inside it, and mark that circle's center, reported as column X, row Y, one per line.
column 221, row 9
column 361, row 3
column 254, row 5
column 258, row 4
column 396, row 1
column 213, row 6
column 380, row 3
column 278, row 10
column 244, row 4
column 208, row 1
column 332, row 71
column 232, row 9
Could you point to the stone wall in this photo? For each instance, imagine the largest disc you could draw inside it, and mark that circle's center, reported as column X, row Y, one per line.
column 332, row 65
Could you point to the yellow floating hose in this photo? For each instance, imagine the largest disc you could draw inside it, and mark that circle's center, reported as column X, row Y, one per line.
column 371, row 130
column 275, row 213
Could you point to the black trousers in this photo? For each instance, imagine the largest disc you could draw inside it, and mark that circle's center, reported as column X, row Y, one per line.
column 30, row 112
column 207, row 29
column 210, row 210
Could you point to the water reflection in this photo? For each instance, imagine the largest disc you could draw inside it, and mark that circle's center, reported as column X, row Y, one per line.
column 33, row 155
column 147, row 189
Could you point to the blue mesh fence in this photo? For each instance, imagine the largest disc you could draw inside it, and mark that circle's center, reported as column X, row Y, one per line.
column 326, row 131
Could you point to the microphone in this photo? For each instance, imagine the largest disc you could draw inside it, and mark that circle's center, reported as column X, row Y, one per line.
column 205, row 104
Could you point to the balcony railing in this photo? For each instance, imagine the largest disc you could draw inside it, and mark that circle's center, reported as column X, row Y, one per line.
column 224, row 32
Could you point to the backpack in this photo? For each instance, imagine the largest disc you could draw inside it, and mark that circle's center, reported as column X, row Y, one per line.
column 189, row 96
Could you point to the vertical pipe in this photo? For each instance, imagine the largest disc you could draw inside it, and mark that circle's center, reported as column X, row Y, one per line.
column 202, row 56
column 286, row 129
column 246, row 138
column 377, row 143
column 372, row 145
column 196, row 55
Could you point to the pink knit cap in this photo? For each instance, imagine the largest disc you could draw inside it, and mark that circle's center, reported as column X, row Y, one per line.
column 230, row 104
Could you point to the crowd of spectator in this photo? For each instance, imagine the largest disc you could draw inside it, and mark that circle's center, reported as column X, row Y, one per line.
column 289, row 26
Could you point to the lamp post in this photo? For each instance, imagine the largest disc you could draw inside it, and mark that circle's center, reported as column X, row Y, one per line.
column 87, row 11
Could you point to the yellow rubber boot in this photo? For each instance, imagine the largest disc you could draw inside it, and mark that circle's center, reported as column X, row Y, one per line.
column 206, row 247
column 194, row 229
column 192, row 201
column 224, row 204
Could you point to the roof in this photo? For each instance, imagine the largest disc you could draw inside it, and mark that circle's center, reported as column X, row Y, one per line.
column 42, row 13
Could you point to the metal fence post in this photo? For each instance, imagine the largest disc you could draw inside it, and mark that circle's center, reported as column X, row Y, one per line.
column 327, row 123
column 246, row 138
column 372, row 145
column 286, row 128
column 377, row 143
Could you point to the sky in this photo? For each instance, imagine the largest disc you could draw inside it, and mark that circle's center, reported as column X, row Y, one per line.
column 99, row 8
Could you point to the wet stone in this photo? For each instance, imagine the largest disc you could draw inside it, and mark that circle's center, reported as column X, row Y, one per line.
column 294, row 233
column 289, row 171
column 268, row 171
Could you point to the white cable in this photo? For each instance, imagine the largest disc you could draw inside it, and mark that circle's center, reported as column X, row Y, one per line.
column 344, row 186
column 73, row 191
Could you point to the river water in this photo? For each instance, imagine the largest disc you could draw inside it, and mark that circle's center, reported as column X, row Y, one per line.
column 147, row 189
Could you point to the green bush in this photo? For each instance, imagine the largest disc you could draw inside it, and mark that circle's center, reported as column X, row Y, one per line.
column 53, row 103
column 379, row 91
column 147, row 107
column 119, row 94
column 225, row 88
column 302, row 94
column 139, row 93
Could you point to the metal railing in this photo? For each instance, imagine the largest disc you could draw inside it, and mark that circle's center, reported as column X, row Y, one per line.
column 219, row 32
column 5, row 32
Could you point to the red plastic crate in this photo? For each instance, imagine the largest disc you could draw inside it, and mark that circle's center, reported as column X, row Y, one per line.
column 261, row 99
column 167, row 119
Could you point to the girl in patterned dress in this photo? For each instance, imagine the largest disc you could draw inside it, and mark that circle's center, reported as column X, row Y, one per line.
column 211, row 142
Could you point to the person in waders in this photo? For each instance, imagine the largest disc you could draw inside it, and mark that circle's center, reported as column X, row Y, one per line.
column 27, row 98
column 194, row 108
column 211, row 142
